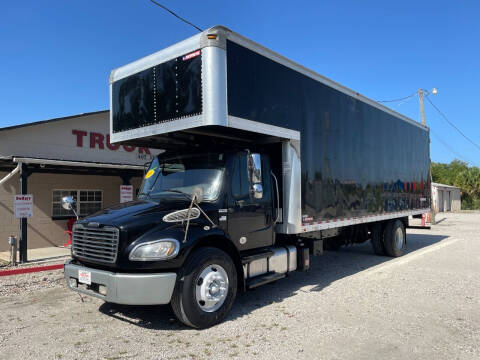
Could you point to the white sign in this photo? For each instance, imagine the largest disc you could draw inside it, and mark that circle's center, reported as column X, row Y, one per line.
column 85, row 277
column 126, row 193
column 23, row 205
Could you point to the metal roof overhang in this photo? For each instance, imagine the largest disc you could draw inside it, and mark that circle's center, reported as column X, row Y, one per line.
column 37, row 165
column 76, row 163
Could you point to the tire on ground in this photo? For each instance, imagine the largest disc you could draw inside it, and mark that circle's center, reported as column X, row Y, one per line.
column 377, row 239
column 184, row 299
column 394, row 238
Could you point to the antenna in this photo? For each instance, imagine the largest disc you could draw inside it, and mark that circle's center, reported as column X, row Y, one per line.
column 177, row 16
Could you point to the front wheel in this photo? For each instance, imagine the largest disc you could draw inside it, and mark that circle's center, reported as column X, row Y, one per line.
column 206, row 289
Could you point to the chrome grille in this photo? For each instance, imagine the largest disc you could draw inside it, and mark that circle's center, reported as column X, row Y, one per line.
column 95, row 244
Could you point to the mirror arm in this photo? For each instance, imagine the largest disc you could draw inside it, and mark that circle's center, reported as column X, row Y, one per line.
column 76, row 215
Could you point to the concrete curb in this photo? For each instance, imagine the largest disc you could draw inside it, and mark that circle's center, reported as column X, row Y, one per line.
column 31, row 269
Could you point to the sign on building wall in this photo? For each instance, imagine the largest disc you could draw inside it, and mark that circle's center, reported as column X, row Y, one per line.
column 99, row 141
column 84, row 138
column 126, row 193
column 23, row 205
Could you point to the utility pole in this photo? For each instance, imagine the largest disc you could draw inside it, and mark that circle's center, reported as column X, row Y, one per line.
column 422, row 108
column 424, row 123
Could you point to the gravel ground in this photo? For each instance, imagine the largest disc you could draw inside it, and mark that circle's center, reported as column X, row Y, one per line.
column 351, row 305
column 20, row 285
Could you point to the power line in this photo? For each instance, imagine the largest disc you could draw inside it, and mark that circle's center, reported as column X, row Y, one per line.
column 404, row 101
column 444, row 143
column 444, row 117
column 452, row 124
column 177, row 16
column 395, row 100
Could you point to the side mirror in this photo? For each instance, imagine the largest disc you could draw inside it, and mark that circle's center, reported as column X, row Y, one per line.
column 255, row 175
column 68, row 203
column 257, row 190
column 255, row 167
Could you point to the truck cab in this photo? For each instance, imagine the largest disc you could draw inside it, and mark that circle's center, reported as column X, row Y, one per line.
column 222, row 205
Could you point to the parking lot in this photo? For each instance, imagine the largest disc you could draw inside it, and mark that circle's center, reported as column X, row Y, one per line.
column 351, row 305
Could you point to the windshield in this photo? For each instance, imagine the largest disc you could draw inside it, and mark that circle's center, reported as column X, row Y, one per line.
column 184, row 175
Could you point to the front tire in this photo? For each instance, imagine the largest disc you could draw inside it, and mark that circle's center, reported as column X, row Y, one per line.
column 206, row 288
column 394, row 238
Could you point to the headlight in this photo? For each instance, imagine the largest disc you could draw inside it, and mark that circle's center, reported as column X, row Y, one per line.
column 155, row 250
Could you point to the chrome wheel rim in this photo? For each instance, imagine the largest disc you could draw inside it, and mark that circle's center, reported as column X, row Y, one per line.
column 399, row 239
column 211, row 288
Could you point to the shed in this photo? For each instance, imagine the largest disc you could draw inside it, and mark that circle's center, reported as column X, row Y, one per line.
column 445, row 198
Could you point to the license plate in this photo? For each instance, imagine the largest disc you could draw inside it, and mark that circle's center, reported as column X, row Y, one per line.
column 85, row 277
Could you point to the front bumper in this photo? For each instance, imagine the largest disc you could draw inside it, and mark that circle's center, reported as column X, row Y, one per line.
column 128, row 289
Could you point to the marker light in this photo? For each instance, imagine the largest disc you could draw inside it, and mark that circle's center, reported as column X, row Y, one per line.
column 212, row 36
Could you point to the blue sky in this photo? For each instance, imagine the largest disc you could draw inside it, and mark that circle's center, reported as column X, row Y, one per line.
column 56, row 55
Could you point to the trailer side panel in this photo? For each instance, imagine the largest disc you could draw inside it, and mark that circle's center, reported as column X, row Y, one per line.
column 356, row 159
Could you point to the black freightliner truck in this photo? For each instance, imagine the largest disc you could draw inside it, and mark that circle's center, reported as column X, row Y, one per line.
column 266, row 163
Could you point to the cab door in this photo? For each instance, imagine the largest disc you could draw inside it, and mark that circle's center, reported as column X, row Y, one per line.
column 250, row 216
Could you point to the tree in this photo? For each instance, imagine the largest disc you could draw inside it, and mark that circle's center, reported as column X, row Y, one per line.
column 469, row 181
column 447, row 173
column 458, row 173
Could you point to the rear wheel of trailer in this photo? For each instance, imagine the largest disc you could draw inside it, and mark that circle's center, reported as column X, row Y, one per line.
column 377, row 238
column 206, row 288
column 394, row 238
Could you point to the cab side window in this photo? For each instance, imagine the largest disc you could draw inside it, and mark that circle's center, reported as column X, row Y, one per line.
column 240, row 185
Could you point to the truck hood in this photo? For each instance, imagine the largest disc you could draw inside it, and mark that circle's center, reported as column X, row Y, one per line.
column 138, row 216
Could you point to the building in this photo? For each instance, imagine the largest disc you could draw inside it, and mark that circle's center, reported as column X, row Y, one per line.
column 64, row 156
column 445, row 198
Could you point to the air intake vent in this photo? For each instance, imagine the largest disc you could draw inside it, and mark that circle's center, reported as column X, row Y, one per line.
column 181, row 215
column 95, row 244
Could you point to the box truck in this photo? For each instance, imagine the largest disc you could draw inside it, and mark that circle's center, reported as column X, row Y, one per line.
column 265, row 164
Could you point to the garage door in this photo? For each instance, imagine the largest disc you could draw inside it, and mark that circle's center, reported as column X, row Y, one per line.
column 440, row 200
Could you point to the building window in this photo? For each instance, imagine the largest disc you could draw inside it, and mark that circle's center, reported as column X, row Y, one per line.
column 87, row 202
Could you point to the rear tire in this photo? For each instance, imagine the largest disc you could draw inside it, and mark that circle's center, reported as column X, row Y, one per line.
column 394, row 238
column 377, row 239
column 206, row 288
